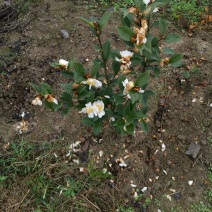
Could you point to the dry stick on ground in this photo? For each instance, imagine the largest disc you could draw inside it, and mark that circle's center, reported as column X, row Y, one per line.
column 18, row 203
column 91, row 202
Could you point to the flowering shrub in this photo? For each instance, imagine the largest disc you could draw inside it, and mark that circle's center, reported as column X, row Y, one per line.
column 114, row 90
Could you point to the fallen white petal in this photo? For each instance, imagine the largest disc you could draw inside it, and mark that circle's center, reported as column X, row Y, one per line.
column 190, row 182
column 172, row 190
column 169, row 197
column 135, row 195
column 55, row 155
column 133, row 185
column 156, row 151
column 123, row 164
column 76, row 161
column 194, row 100
column 163, row 147
column 210, row 105
column 101, row 153
column 144, row 189
column 165, row 172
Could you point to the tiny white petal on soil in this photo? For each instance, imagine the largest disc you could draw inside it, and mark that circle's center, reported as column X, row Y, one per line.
column 101, row 153
column 55, row 155
column 104, row 170
column 194, row 100
column 165, row 172
column 158, row 210
column 157, row 177
column 133, row 185
column 122, row 164
column 135, row 195
column 210, row 105
column 82, row 169
column 173, row 178
column 23, row 114
column 172, row 190
column 156, row 151
column 144, row 189
column 190, row 182
column 76, row 161
column 107, row 97
column 163, row 147
column 150, row 180
column 169, row 197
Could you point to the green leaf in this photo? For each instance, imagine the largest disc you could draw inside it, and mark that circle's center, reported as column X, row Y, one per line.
column 175, row 60
column 162, row 25
column 67, row 86
column 35, row 87
column 90, row 23
column 156, row 70
column 134, row 96
column 172, row 38
column 66, row 98
column 127, row 109
column 45, row 88
column 67, row 74
column 125, row 20
column 119, row 123
column 130, row 129
column 121, row 79
column 95, row 69
column 144, row 126
column 106, row 49
column 119, row 99
column 104, row 19
column 86, row 121
column 139, row 4
column 195, row 70
column 79, row 73
column 97, row 127
column 167, row 50
column 125, row 33
column 142, row 79
column 116, row 66
column 137, row 60
column 148, row 45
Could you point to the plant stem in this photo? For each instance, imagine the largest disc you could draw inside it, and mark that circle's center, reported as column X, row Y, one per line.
column 103, row 59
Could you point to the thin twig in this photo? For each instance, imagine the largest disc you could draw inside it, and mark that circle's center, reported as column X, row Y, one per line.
column 91, row 203
column 21, row 200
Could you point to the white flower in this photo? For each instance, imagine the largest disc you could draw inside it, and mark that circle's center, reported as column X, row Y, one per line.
column 37, row 101
column 146, row 2
column 63, row 63
column 92, row 82
column 99, row 105
column 128, row 85
column 22, row 127
column 155, row 10
column 126, row 53
column 50, row 98
column 90, row 110
column 125, row 60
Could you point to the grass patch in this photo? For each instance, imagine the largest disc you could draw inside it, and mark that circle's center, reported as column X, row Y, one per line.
column 41, row 178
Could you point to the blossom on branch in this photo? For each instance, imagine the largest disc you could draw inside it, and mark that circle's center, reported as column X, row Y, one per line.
column 125, row 61
column 50, row 98
column 92, row 82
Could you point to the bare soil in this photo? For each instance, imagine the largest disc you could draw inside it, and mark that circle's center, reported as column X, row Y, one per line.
column 180, row 112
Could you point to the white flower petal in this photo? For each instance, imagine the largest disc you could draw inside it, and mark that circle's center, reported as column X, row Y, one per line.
column 141, row 91
column 55, row 101
column 144, row 40
column 107, row 97
column 163, row 147
column 101, row 153
column 126, row 53
column 63, row 62
column 146, row 2
column 144, row 189
column 133, row 185
column 112, row 119
column 155, row 10
column 37, row 101
column 123, row 164
column 190, row 182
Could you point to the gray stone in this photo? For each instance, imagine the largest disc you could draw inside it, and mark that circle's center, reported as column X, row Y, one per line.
column 193, row 150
